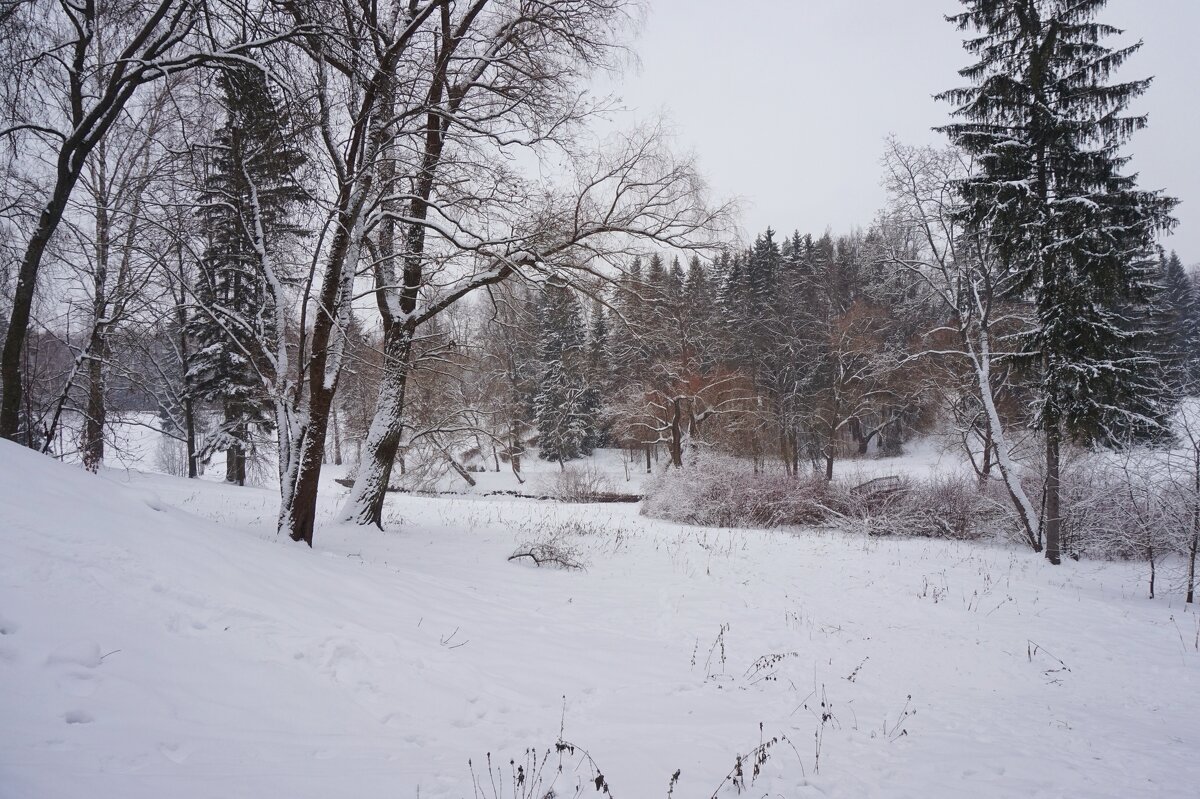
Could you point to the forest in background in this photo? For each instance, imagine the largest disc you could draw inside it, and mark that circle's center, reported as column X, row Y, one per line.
column 394, row 234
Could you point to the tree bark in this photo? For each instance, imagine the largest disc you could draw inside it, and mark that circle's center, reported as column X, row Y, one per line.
column 92, row 446
column 676, row 434
column 1053, row 523
column 1191, row 580
column 298, row 507
column 18, row 322
column 365, row 503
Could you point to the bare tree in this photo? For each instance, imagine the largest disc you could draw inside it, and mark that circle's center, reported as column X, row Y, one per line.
column 73, row 69
column 358, row 67
column 962, row 275
column 506, row 79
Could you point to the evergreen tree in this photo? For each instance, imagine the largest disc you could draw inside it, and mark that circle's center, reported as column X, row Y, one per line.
column 1075, row 234
column 248, row 191
column 599, row 381
column 1179, row 326
column 673, row 293
column 560, row 409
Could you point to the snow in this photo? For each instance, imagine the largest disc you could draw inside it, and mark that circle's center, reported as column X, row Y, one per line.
column 157, row 639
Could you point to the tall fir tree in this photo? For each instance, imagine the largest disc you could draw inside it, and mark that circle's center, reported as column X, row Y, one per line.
column 250, row 187
column 560, row 409
column 599, row 379
column 1179, row 326
column 1074, row 233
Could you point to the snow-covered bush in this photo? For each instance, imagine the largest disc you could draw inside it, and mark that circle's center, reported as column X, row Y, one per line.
column 1134, row 505
column 577, row 484
column 720, row 491
column 559, row 543
column 170, row 456
column 938, row 507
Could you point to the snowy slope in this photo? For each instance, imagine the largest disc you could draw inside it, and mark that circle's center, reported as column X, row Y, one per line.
column 148, row 652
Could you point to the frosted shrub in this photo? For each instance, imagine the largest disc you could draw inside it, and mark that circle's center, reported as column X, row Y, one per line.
column 170, row 456
column 578, row 484
column 718, row 491
column 941, row 507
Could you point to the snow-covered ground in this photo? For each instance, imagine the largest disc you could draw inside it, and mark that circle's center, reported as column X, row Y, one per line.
column 157, row 640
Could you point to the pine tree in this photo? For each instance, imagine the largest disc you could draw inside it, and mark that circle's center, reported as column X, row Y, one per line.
column 1179, row 326
column 599, row 381
column 247, row 194
column 1075, row 234
column 560, row 408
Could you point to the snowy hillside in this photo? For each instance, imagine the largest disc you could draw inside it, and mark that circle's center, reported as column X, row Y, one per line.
column 147, row 651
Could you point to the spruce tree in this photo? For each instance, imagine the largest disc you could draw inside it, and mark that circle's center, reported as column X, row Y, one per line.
column 1075, row 234
column 1179, row 327
column 250, row 186
column 560, row 408
column 599, row 381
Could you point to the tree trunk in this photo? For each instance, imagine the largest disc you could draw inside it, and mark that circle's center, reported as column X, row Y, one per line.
column 189, row 424
column 298, row 493
column 985, row 469
column 92, row 445
column 676, row 434
column 515, row 449
column 337, row 439
column 22, row 307
column 93, row 423
column 365, row 503
column 235, row 453
column 1053, row 523
column 859, row 435
column 1191, row 579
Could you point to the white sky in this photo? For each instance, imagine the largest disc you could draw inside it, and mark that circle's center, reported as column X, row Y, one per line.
column 787, row 102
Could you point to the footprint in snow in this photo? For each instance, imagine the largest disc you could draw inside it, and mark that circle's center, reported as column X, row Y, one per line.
column 176, row 753
column 78, row 717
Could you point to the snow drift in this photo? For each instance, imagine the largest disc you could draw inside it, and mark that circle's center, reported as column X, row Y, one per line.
column 147, row 652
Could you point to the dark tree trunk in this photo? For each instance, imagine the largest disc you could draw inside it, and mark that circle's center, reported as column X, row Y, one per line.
column 1191, row 578
column 985, row 469
column 676, row 434
column 1053, row 522
column 189, row 425
column 891, row 438
column 22, row 307
column 235, row 453
column 92, row 445
column 298, row 513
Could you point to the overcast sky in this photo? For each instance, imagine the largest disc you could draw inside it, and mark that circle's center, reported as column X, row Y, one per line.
column 787, row 102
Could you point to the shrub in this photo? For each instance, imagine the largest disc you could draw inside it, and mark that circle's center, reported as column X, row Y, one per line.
column 578, row 484
column 939, row 507
column 720, row 491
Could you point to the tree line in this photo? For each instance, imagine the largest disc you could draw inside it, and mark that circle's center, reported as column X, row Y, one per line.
column 291, row 226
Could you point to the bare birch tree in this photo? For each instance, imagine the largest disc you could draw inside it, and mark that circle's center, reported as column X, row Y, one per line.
column 962, row 275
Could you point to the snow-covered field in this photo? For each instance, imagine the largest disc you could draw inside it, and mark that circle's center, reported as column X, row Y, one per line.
column 157, row 640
